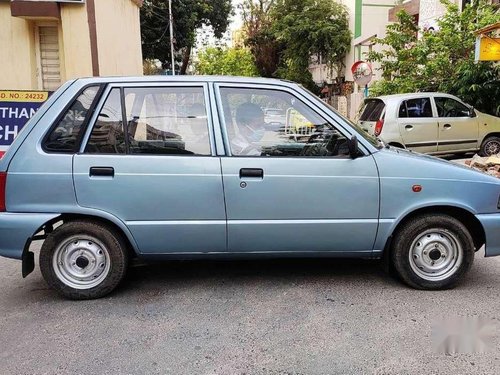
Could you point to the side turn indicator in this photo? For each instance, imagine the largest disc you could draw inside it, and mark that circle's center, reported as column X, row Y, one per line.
column 416, row 188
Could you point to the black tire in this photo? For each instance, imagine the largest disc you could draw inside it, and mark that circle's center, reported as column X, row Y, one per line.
column 102, row 249
column 490, row 146
column 426, row 238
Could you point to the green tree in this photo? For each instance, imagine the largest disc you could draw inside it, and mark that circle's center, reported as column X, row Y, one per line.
column 283, row 36
column 307, row 28
column 227, row 61
column 257, row 26
column 441, row 60
column 188, row 15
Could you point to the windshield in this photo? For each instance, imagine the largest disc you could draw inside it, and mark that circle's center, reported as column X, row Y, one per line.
column 362, row 133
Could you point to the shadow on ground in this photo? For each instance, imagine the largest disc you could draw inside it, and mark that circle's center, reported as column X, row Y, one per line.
column 344, row 270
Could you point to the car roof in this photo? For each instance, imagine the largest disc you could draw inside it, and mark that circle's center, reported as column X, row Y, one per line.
column 184, row 78
column 386, row 98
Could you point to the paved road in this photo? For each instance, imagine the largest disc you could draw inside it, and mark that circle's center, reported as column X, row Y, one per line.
column 246, row 317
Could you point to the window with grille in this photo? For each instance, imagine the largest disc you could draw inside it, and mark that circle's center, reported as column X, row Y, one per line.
column 49, row 57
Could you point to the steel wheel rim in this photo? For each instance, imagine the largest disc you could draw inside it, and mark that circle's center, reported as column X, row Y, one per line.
column 436, row 254
column 492, row 147
column 81, row 262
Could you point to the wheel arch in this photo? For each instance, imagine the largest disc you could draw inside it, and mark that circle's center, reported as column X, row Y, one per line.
column 467, row 218
column 116, row 225
column 492, row 134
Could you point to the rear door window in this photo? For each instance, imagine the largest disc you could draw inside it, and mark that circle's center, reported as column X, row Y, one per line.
column 372, row 110
column 167, row 120
column 152, row 120
column 416, row 108
column 108, row 136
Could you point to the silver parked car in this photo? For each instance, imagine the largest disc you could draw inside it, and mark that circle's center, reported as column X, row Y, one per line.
column 111, row 169
column 431, row 123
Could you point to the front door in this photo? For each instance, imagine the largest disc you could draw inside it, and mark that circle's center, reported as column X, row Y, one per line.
column 417, row 125
column 458, row 130
column 161, row 179
column 293, row 187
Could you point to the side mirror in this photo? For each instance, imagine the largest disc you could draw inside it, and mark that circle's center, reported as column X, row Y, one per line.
column 353, row 147
column 472, row 113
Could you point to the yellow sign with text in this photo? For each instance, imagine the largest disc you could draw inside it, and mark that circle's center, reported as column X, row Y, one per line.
column 23, row 96
column 488, row 49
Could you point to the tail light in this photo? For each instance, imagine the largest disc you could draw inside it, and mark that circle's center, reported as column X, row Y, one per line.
column 378, row 127
column 3, row 182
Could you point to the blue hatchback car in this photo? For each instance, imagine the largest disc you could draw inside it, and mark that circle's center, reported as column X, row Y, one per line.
column 181, row 167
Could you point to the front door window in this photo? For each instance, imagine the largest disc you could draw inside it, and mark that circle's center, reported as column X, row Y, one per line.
column 275, row 123
column 448, row 107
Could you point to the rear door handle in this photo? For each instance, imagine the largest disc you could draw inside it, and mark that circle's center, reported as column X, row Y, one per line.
column 102, row 172
column 251, row 173
column 409, row 127
column 446, row 126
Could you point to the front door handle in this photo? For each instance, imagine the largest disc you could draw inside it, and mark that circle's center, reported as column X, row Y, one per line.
column 251, row 173
column 446, row 126
column 102, row 172
column 409, row 127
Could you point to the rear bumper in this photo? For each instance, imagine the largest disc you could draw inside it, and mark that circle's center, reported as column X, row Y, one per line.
column 16, row 229
column 491, row 225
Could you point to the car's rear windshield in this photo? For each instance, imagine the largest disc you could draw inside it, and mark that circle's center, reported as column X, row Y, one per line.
column 372, row 110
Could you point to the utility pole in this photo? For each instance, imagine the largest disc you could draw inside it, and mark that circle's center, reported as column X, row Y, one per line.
column 171, row 21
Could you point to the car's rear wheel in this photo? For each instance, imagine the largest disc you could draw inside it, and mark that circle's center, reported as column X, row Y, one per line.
column 432, row 252
column 83, row 259
column 490, row 146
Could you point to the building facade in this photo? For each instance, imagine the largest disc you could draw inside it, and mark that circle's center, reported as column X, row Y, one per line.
column 368, row 20
column 45, row 43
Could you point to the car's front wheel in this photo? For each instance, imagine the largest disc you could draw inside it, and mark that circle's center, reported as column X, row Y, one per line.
column 490, row 146
column 432, row 252
column 83, row 259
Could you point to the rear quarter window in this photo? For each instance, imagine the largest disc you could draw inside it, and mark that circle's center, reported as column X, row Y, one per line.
column 65, row 134
column 372, row 110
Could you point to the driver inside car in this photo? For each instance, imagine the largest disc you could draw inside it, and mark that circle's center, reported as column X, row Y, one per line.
column 251, row 130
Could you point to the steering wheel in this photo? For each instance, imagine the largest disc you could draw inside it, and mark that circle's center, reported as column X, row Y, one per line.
column 328, row 147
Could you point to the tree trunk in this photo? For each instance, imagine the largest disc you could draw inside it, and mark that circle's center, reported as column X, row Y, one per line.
column 185, row 59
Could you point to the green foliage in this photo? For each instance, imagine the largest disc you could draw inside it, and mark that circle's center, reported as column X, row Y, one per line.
column 312, row 28
column 257, row 25
column 283, row 35
column 188, row 16
column 441, row 60
column 228, row 61
column 149, row 68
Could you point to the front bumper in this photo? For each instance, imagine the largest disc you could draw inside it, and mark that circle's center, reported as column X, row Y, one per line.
column 17, row 228
column 491, row 225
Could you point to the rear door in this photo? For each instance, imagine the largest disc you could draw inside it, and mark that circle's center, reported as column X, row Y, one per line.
column 417, row 125
column 148, row 159
column 294, row 189
column 458, row 129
